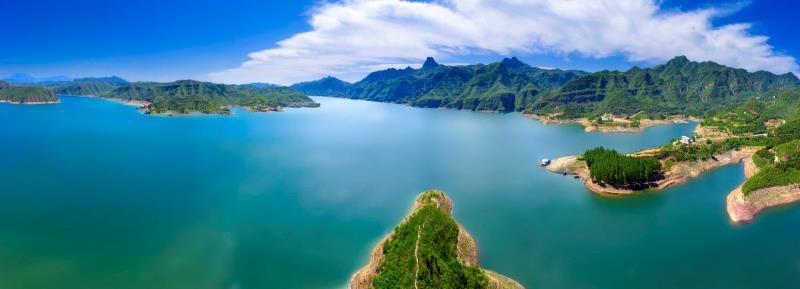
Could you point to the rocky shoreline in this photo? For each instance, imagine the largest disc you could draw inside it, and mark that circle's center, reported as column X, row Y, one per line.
column 620, row 125
column 743, row 208
column 30, row 102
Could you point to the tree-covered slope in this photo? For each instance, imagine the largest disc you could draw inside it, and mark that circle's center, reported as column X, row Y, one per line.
column 428, row 250
column 84, row 88
column 194, row 96
column 328, row 86
column 505, row 86
column 25, row 94
column 680, row 86
column 755, row 115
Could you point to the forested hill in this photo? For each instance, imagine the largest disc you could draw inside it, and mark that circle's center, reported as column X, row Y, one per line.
column 194, row 96
column 84, row 88
column 25, row 94
column 328, row 86
column 505, row 86
column 680, row 86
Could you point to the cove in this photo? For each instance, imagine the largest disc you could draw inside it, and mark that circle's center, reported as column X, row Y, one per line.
column 94, row 194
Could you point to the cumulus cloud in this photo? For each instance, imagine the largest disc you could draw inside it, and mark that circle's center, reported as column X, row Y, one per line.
column 350, row 38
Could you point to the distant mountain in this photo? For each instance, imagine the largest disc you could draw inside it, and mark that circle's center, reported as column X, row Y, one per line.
column 187, row 96
column 22, row 78
column 505, row 86
column 328, row 86
column 111, row 79
column 84, row 88
column 260, row 85
column 25, row 94
column 680, row 86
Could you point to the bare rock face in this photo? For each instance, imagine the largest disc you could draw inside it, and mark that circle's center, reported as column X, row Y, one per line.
column 466, row 247
column 743, row 208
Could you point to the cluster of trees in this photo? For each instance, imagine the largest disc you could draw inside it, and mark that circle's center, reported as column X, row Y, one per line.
column 618, row 170
column 704, row 151
column 771, row 174
column 438, row 260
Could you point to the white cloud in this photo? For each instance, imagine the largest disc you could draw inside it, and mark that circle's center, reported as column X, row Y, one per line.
column 349, row 38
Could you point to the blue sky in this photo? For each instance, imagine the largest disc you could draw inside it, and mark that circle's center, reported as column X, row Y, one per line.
column 288, row 41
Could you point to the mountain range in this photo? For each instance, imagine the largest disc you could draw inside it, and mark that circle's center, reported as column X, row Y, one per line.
column 505, row 86
column 680, row 86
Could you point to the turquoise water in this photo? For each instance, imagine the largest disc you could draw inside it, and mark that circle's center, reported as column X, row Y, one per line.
column 94, row 194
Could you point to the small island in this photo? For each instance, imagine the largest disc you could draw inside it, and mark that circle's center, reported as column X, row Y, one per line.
column 428, row 250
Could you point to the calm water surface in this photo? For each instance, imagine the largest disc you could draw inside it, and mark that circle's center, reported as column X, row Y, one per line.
column 94, row 194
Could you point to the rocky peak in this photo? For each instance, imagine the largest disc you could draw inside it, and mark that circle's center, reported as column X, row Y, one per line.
column 512, row 62
column 430, row 63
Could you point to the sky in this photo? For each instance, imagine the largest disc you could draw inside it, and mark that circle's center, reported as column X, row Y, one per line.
column 284, row 42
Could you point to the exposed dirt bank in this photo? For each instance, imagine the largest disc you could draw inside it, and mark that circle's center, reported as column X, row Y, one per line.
column 615, row 125
column 743, row 208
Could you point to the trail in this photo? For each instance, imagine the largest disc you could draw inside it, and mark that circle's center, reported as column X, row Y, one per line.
column 416, row 255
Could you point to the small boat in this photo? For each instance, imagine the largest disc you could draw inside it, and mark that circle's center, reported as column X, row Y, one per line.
column 545, row 162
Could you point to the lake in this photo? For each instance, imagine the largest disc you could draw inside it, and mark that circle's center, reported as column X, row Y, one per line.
column 94, row 194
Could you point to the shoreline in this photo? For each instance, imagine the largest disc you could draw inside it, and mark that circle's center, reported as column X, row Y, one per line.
column 136, row 103
column 144, row 106
column 31, row 102
column 620, row 125
column 743, row 209
column 679, row 173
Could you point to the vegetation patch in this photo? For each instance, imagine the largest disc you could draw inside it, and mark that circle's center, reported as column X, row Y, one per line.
column 424, row 248
column 621, row 171
column 779, row 165
column 25, row 94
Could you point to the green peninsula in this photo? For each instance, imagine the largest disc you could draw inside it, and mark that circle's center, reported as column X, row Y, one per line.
column 428, row 250
column 187, row 96
column 764, row 133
